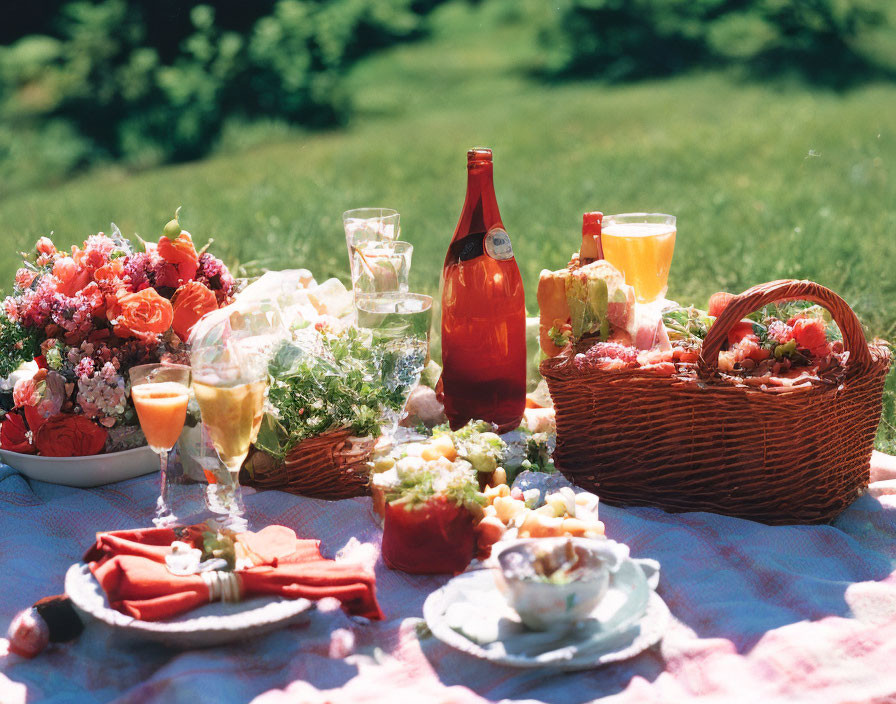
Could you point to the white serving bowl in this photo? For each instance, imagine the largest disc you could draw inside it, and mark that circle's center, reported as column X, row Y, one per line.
column 84, row 472
column 543, row 605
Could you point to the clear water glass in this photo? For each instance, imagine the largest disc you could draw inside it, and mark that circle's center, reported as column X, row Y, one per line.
column 380, row 267
column 370, row 225
column 399, row 325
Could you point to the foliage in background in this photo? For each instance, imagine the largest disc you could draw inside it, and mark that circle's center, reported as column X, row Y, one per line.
column 827, row 41
column 146, row 83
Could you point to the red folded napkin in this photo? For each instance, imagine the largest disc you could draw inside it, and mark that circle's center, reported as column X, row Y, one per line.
column 130, row 567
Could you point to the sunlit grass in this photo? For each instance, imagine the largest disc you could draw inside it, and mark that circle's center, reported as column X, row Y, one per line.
column 767, row 182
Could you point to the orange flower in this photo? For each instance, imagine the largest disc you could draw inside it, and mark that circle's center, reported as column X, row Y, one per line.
column 190, row 302
column 142, row 314
column 181, row 253
column 108, row 276
column 71, row 277
column 46, row 247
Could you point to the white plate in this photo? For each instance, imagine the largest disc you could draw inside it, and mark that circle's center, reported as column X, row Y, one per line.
column 84, row 472
column 629, row 620
column 212, row 624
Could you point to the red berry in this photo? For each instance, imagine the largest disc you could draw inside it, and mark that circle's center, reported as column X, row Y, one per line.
column 809, row 334
column 739, row 331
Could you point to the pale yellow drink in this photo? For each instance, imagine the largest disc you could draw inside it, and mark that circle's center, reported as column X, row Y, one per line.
column 642, row 251
column 232, row 415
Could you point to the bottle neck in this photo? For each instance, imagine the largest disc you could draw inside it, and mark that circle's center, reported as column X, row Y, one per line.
column 480, row 212
column 592, row 248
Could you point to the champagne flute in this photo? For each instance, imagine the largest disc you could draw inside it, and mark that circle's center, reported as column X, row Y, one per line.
column 231, row 349
column 161, row 393
column 232, row 410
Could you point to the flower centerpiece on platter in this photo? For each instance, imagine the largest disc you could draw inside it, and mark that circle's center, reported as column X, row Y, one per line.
column 77, row 322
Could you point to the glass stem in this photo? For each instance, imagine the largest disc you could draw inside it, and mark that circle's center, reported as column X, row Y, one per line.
column 163, row 510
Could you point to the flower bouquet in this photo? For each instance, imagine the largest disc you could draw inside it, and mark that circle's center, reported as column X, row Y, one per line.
column 77, row 322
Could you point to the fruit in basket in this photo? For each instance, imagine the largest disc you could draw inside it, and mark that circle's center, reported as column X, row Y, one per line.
column 607, row 356
column 810, row 334
column 718, row 302
column 590, row 299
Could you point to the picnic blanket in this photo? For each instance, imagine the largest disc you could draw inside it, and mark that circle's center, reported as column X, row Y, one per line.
column 772, row 614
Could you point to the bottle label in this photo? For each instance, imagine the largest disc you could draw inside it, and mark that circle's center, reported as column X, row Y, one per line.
column 497, row 244
column 469, row 247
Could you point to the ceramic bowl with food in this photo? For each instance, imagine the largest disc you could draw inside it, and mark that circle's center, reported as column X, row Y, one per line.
column 555, row 582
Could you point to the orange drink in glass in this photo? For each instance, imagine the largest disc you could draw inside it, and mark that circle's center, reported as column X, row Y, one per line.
column 640, row 245
column 161, row 393
column 162, row 410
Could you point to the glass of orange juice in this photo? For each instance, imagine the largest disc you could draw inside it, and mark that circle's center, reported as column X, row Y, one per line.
column 161, row 393
column 640, row 245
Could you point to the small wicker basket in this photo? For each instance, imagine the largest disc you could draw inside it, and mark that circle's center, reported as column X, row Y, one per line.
column 332, row 465
column 777, row 455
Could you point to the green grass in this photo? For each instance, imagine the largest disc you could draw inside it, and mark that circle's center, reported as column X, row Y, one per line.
column 767, row 181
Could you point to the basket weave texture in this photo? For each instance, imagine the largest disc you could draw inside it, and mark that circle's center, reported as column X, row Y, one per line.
column 778, row 455
column 332, row 465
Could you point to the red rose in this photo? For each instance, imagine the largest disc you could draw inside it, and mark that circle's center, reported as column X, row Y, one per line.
column 12, row 435
column 67, row 435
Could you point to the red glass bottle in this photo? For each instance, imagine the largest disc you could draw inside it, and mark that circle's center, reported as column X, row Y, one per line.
column 483, row 311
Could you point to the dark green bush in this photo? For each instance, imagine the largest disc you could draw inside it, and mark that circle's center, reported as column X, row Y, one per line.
column 151, row 82
column 822, row 40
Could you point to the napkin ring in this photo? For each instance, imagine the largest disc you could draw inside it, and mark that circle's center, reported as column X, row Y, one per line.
column 222, row 585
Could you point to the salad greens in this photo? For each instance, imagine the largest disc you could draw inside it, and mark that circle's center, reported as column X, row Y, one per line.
column 588, row 301
column 315, row 390
column 420, row 480
column 687, row 324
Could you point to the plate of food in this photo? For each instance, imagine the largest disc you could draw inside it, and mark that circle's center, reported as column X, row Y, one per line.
column 84, row 472
column 213, row 624
column 596, row 608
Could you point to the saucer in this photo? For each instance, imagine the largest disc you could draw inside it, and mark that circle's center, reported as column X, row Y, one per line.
column 471, row 615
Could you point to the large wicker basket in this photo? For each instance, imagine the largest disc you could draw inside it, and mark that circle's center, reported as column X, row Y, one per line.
column 777, row 455
column 330, row 466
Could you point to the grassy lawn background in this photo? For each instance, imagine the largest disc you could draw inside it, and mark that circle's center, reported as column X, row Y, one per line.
column 767, row 181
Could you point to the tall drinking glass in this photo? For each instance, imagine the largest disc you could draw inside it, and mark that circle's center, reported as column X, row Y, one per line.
column 640, row 245
column 370, row 225
column 381, row 267
column 161, row 393
column 399, row 326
